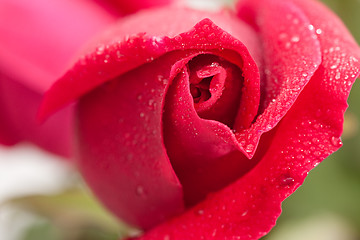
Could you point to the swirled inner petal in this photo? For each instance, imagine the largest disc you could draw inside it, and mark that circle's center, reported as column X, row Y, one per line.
column 203, row 153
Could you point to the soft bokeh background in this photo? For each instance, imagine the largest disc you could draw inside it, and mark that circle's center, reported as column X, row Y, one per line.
column 43, row 198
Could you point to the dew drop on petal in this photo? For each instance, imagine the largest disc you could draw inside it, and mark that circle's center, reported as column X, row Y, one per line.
column 337, row 76
column 140, row 190
column 249, row 148
column 287, row 181
column 335, row 141
column 295, row 39
column 244, row 213
column 317, row 153
column 200, row 212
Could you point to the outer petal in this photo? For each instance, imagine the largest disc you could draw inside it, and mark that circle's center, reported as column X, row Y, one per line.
column 143, row 37
column 121, row 152
column 291, row 55
column 18, row 107
column 38, row 40
column 118, row 53
column 310, row 131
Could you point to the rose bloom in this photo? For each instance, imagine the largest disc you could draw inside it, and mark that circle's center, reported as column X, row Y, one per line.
column 197, row 125
column 38, row 41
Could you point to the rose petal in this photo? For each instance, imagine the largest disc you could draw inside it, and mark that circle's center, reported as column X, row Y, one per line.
column 124, row 48
column 110, row 61
column 204, row 153
column 121, row 150
column 221, row 83
column 291, row 54
column 307, row 134
column 118, row 54
column 18, row 107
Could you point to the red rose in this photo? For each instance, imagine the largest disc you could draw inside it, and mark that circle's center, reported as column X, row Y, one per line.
column 197, row 125
column 38, row 40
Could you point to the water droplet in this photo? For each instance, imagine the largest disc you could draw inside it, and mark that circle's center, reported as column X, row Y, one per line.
column 244, row 213
column 282, row 36
column 318, row 31
column 315, row 140
column 140, row 190
column 118, row 54
column 200, row 212
column 295, row 39
column 165, row 81
column 335, row 141
column 317, row 153
column 337, row 76
column 100, row 50
column 142, row 114
column 249, row 148
column 300, row 157
column 151, row 102
column 287, row 181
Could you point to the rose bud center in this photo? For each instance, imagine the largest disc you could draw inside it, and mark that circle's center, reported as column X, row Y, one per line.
column 204, row 95
column 215, row 85
column 200, row 92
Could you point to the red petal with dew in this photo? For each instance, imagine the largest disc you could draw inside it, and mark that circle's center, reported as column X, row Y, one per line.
column 121, row 60
column 309, row 132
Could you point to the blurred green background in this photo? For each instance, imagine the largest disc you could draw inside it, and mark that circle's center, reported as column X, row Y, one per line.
column 327, row 206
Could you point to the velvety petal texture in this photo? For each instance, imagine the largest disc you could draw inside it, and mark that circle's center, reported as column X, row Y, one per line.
column 171, row 60
column 196, row 125
column 309, row 132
